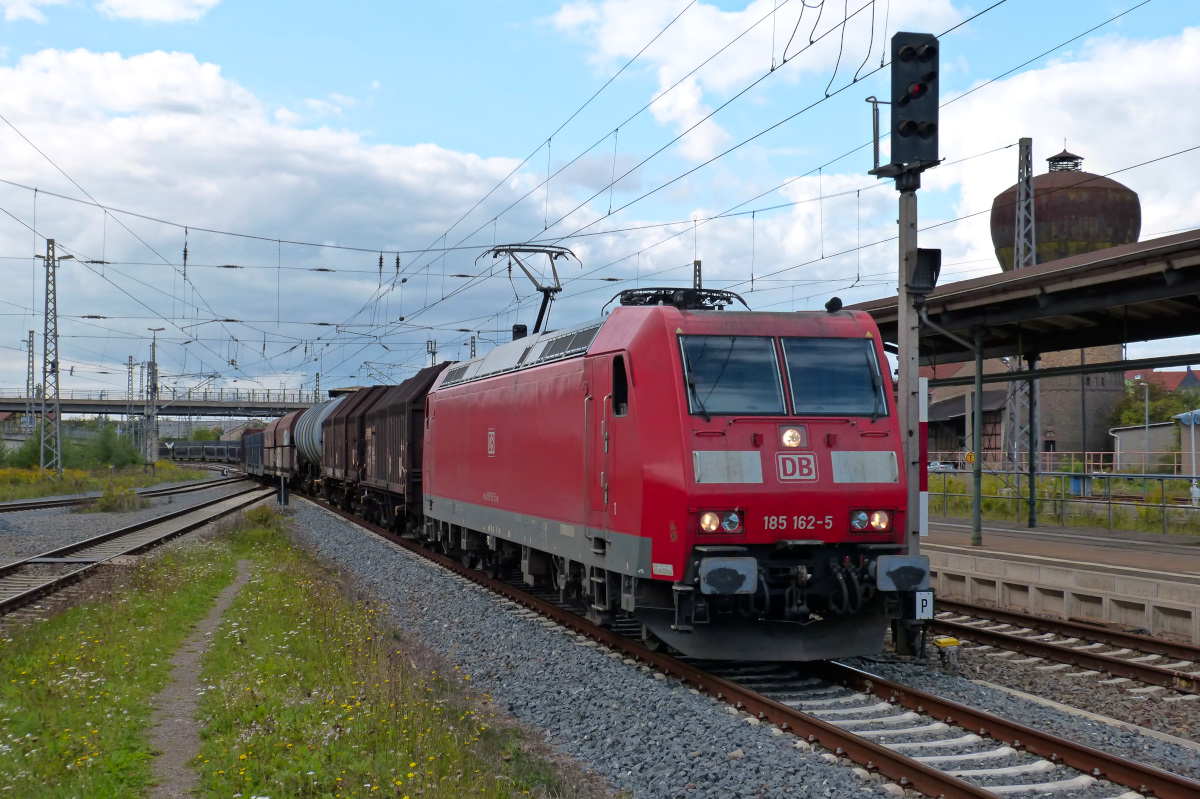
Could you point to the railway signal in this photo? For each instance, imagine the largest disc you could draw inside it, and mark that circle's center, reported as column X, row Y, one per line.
column 914, row 98
column 914, row 129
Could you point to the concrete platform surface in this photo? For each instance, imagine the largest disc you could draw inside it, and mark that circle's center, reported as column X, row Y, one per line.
column 1176, row 557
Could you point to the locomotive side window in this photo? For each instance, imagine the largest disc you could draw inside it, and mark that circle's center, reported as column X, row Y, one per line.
column 731, row 374
column 620, row 387
column 835, row 376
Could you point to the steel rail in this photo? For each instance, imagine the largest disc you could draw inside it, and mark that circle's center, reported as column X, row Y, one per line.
column 65, row 502
column 1092, row 632
column 1138, row 776
column 35, row 587
column 1118, row 667
column 874, row 757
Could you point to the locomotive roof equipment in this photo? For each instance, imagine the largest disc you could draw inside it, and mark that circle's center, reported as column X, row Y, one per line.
column 514, row 252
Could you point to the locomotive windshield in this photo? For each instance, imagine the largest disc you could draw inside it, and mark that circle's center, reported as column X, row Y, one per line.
column 835, row 376
column 731, row 374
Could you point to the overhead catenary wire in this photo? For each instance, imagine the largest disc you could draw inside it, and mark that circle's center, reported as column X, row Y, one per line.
column 604, row 232
column 882, row 63
column 747, row 140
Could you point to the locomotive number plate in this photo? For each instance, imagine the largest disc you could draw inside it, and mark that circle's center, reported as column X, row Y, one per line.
column 797, row 523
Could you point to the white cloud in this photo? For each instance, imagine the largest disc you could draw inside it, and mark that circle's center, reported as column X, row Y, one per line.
column 157, row 10
column 616, row 30
column 27, row 9
column 323, row 107
column 165, row 134
column 1118, row 102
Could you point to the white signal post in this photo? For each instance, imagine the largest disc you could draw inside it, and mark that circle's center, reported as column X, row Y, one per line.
column 923, row 518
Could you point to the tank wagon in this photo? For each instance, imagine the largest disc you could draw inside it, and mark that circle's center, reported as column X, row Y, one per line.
column 308, row 440
column 730, row 480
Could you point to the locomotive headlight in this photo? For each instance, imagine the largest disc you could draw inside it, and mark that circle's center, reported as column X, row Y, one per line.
column 881, row 520
column 859, row 519
column 709, row 522
column 731, row 521
column 791, row 438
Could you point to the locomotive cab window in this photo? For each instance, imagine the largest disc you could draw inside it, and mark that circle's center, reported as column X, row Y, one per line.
column 731, row 375
column 620, row 388
column 835, row 376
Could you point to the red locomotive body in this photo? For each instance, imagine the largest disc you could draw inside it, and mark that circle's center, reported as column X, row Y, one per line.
column 731, row 480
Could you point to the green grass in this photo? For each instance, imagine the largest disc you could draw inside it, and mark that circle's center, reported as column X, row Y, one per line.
column 308, row 694
column 1000, row 502
column 33, row 483
column 74, row 690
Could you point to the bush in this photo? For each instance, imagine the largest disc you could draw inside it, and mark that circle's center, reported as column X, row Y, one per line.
column 119, row 500
column 105, row 449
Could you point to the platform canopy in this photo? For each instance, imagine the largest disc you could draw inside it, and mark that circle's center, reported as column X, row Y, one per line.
column 1134, row 292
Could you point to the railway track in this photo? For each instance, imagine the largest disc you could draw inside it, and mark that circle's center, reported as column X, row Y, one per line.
column 26, row 580
column 920, row 741
column 1124, row 656
column 148, row 493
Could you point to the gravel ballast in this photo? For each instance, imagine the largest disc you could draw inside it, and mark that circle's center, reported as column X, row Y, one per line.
column 648, row 737
column 27, row 533
column 1116, row 740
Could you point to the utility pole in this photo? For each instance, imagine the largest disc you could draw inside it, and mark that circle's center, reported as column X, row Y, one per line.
column 914, row 140
column 51, row 449
column 151, row 436
column 30, row 411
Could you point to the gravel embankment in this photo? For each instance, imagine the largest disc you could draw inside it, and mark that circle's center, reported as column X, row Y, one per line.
column 1130, row 701
column 27, row 533
column 648, row 737
column 1176, row 718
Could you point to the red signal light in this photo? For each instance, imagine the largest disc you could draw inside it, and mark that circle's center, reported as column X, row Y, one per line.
column 917, row 90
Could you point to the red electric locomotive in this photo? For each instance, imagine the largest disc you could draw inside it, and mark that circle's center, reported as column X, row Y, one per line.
column 731, row 480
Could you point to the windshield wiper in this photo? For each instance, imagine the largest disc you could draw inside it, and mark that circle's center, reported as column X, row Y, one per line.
column 692, row 386
column 876, row 383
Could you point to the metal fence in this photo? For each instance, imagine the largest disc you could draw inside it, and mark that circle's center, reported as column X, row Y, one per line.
column 1165, row 462
column 1149, row 502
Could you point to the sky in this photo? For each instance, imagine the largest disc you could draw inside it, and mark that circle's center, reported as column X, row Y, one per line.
column 337, row 172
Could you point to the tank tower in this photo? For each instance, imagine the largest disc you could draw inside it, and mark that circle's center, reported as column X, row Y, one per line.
column 1074, row 212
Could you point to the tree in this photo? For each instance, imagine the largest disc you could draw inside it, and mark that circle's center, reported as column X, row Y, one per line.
column 1164, row 405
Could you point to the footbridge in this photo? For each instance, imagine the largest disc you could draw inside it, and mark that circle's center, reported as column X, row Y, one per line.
column 179, row 402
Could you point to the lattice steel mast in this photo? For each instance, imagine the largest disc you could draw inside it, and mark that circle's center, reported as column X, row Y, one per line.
column 51, row 449
column 150, row 435
column 130, row 405
column 30, row 386
column 1018, row 422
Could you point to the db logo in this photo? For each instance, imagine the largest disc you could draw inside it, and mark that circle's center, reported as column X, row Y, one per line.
column 491, row 443
column 796, row 466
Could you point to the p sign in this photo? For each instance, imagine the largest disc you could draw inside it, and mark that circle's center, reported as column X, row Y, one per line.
column 923, row 605
column 796, row 466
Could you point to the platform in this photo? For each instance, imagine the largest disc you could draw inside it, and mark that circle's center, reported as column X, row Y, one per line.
column 1148, row 581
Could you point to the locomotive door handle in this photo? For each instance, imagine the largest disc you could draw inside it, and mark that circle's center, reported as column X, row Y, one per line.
column 604, row 421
